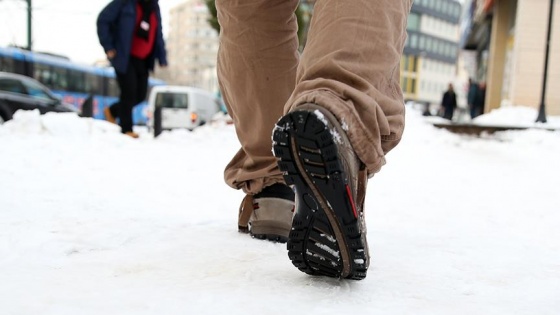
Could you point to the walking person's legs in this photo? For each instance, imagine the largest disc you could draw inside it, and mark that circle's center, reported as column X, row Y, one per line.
column 257, row 64
column 142, row 75
column 128, row 84
column 346, row 113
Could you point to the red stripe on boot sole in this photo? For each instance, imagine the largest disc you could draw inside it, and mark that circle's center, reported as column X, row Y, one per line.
column 351, row 201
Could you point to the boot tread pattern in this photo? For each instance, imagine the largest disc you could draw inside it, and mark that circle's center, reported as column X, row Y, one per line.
column 308, row 157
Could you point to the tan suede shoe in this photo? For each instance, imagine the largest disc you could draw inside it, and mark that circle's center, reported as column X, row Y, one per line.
column 132, row 134
column 268, row 214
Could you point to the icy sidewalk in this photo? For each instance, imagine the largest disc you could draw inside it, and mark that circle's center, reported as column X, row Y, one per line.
column 92, row 222
column 502, row 119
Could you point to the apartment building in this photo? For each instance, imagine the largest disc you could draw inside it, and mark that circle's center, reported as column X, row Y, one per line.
column 192, row 47
column 430, row 55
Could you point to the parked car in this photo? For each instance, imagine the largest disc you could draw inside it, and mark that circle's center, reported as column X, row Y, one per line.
column 182, row 106
column 21, row 92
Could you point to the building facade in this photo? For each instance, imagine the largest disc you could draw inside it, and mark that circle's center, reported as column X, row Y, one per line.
column 192, row 47
column 429, row 61
column 508, row 39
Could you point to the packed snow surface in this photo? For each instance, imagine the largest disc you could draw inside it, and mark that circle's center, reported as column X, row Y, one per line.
column 94, row 222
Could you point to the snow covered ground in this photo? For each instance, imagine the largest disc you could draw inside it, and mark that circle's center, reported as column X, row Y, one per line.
column 92, row 222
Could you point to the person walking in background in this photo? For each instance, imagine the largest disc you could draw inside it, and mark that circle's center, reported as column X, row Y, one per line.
column 130, row 32
column 341, row 109
column 472, row 95
column 449, row 102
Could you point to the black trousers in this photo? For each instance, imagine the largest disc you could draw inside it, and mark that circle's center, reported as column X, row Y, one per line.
column 134, row 86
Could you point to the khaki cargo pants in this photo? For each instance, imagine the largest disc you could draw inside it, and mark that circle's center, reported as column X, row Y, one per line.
column 350, row 66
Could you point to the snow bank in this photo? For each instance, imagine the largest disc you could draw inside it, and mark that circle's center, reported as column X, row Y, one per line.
column 519, row 116
column 55, row 124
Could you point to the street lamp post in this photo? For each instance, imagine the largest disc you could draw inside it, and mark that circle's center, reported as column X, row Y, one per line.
column 542, row 108
column 29, row 24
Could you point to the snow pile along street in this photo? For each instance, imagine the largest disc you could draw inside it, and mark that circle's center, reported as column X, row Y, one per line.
column 93, row 222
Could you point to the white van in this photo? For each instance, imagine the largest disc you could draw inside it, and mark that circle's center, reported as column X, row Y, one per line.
column 182, row 106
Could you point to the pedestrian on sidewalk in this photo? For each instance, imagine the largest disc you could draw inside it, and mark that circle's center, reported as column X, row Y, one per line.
column 449, row 102
column 472, row 95
column 338, row 110
column 130, row 32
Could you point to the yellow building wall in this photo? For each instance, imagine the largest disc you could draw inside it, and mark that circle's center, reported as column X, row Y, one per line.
column 501, row 24
column 409, row 76
column 553, row 89
column 529, row 49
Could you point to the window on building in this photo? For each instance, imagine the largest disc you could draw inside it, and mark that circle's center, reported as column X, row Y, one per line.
column 414, row 41
column 431, row 4
column 405, row 62
column 405, row 85
column 429, row 44
column 413, row 23
column 435, row 46
column 422, row 42
column 445, row 7
column 457, row 11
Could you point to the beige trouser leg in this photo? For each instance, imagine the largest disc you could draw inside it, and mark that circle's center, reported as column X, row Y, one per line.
column 350, row 66
column 257, row 64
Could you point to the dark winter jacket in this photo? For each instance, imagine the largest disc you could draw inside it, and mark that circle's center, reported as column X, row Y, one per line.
column 115, row 28
column 471, row 95
column 449, row 103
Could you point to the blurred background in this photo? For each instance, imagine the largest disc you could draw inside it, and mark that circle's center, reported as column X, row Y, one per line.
column 501, row 45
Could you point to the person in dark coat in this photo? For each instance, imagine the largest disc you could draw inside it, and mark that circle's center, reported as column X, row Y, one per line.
column 130, row 32
column 472, row 96
column 449, row 102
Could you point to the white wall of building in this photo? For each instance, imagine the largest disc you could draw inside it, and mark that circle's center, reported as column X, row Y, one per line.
column 439, row 28
column 192, row 46
column 434, row 75
column 434, row 78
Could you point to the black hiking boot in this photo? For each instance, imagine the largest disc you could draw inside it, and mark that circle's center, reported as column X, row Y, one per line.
column 328, row 235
